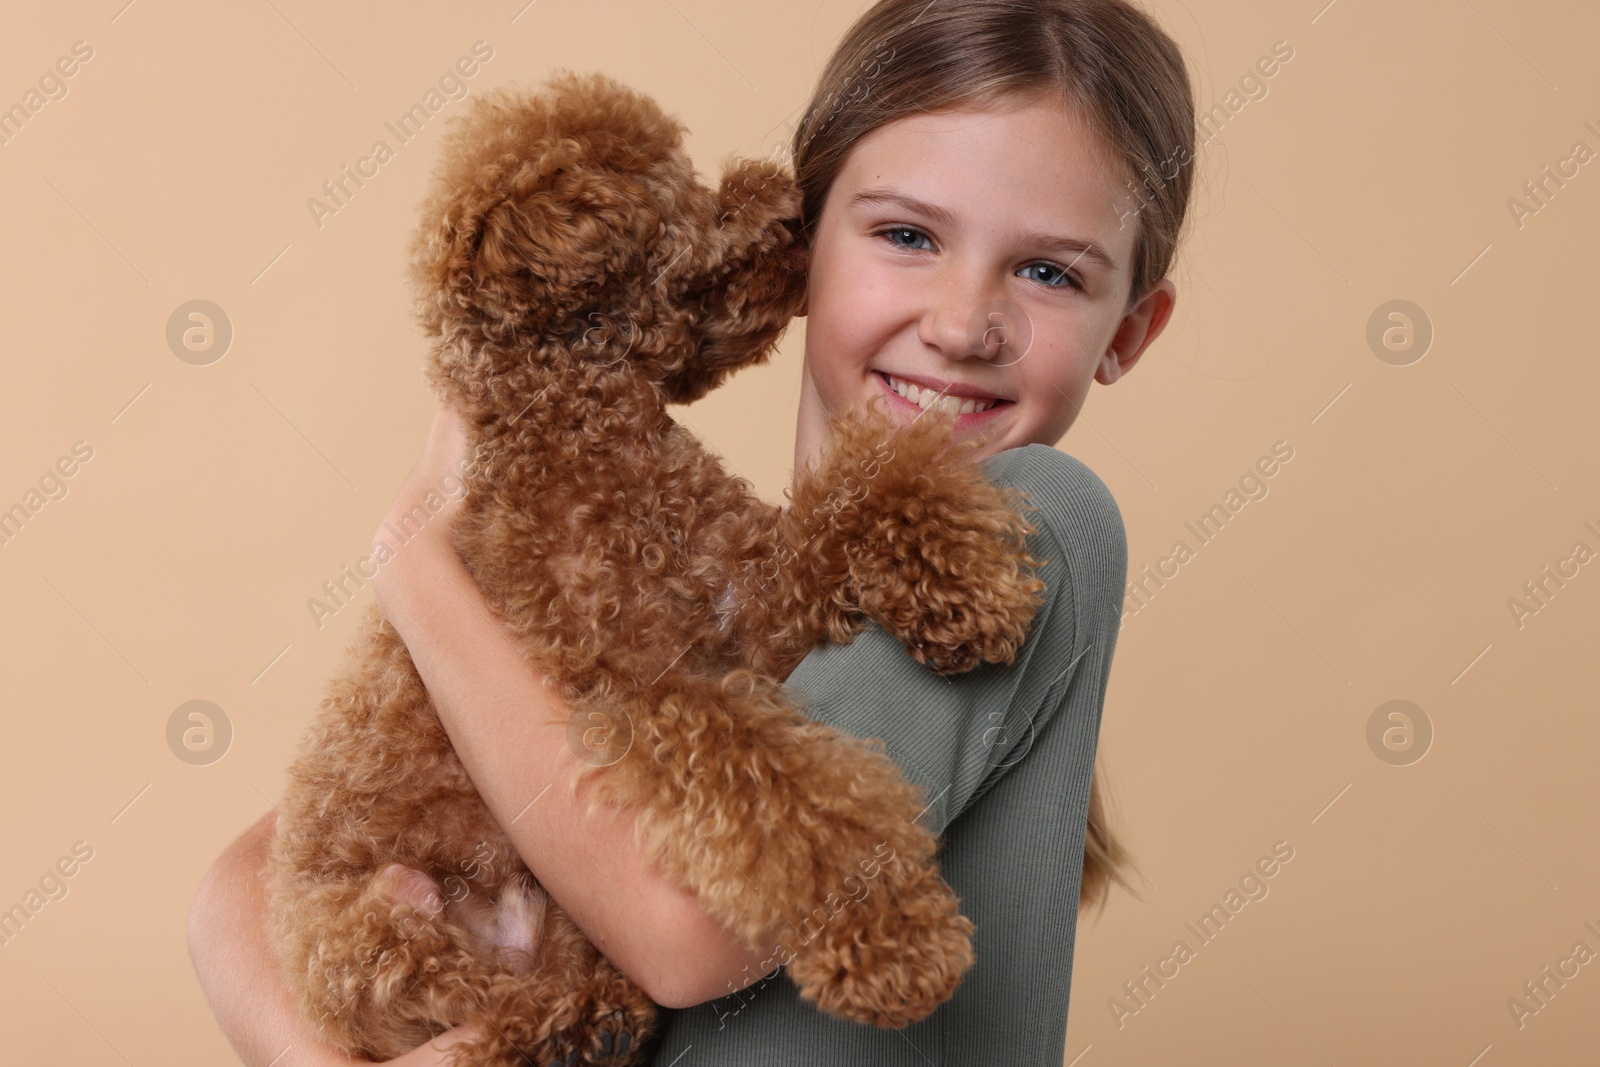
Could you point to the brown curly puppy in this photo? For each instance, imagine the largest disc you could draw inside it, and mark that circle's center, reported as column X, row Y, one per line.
column 578, row 276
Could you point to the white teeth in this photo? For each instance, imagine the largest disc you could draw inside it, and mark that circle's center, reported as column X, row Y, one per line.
column 926, row 398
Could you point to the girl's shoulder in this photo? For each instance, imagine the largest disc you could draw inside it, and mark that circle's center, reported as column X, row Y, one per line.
column 1077, row 519
column 958, row 735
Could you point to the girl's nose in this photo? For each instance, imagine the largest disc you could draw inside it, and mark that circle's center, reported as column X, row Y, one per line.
column 964, row 317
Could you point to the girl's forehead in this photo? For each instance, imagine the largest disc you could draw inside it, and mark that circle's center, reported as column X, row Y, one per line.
column 1034, row 155
column 1039, row 127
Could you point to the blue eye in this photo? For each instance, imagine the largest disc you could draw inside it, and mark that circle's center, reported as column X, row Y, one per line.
column 1066, row 280
column 891, row 231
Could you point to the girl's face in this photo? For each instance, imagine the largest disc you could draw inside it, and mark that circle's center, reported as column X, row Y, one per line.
column 983, row 252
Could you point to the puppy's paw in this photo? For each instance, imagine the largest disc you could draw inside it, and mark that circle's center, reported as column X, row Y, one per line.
column 950, row 577
column 901, row 522
column 891, row 958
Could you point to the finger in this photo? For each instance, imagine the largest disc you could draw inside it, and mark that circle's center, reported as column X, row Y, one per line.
column 434, row 1052
column 448, row 440
column 456, row 431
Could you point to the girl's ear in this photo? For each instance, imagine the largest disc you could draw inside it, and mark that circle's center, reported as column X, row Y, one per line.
column 1136, row 331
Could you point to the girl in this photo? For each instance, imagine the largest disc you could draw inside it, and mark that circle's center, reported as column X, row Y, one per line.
column 992, row 196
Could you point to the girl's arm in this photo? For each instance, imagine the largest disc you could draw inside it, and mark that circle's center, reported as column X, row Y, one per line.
column 242, row 979
column 510, row 732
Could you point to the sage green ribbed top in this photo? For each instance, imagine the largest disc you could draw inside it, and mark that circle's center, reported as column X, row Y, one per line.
column 1005, row 754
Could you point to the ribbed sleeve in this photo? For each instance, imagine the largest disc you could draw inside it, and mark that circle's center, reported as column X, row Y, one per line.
column 1005, row 755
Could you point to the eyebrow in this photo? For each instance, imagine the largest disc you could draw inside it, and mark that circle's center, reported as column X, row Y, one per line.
column 1067, row 245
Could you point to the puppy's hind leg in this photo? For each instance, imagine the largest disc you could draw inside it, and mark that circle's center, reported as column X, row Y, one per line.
column 573, row 1008
column 377, row 974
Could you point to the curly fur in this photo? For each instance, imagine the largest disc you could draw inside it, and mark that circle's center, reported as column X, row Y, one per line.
column 577, row 276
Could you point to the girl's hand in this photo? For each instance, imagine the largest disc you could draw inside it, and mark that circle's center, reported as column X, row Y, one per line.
column 431, row 495
column 437, row 1052
column 415, row 532
column 428, row 501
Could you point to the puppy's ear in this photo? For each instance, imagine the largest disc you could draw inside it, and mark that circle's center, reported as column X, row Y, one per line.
column 751, row 284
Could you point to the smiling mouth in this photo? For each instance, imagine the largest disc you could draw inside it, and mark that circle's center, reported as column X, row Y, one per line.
column 926, row 398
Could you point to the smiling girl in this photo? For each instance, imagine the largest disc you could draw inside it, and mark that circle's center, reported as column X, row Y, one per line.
column 993, row 192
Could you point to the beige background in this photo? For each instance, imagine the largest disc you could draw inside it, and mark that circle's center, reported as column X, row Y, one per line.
column 1419, row 499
